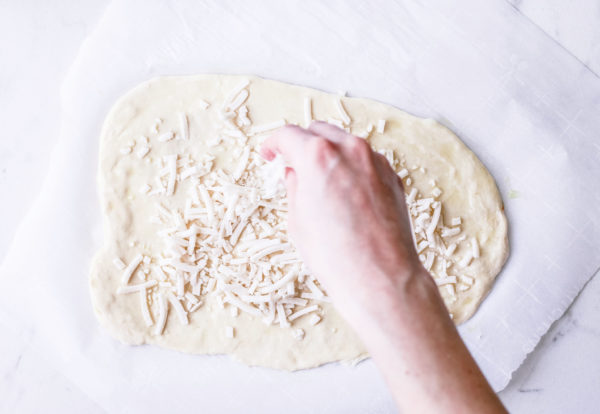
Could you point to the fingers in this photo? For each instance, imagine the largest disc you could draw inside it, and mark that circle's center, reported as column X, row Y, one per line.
column 287, row 141
column 380, row 159
column 331, row 132
column 385, row 169
column 291, row 182
column 301, row 148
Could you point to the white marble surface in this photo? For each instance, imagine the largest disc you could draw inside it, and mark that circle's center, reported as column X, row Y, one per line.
column 562, row 374
column 573, row 24
column 38, row 41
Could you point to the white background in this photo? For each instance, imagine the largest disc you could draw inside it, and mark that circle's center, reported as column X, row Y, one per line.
column 39, row 40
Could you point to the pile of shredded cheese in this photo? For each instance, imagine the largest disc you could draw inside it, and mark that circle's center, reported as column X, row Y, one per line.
column 229, row 240
column 436, row 242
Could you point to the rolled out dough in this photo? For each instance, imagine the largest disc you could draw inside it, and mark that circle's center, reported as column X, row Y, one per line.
column 133, row 147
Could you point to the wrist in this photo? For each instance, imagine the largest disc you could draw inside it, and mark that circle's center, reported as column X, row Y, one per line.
column 392, row 302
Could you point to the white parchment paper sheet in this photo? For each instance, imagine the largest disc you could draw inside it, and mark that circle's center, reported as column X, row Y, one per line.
column 526, row 107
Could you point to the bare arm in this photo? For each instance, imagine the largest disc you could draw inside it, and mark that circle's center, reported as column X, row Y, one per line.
column 349, row 220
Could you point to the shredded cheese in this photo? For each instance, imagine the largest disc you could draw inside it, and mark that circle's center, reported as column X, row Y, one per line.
column 422, row 245
column 235, row 91
column 191, row 298
column 242, row 118
column 474, row 248
column 307, row 111
column 155, row 127
column 315, row 319
column 131, row 267
column 143, row 151
column 446, row 280
column 136, row 288
column 184, row 124
column 467, row 280
column 434, row 222
column 429, row 258
column 450, row 250
column 118, row 263
column 282, row 318
column 243, row 162
column 466, row 260
column 280, row 283
column 335, row 122
column 238, row 100
column 202, row 104
column 303, row 312
column 343, row 114
column 411, row 196
column 162, row 314
column 181, row 313
column 228, row 238
column 171, row 161
column 167, row 136
column 456, row 221
column 230, row 298
column 258, row 129
column 144, row 308
column 453, row 231
column 299, row 334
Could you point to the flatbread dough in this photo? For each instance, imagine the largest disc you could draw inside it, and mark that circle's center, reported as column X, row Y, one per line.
column 133, row 147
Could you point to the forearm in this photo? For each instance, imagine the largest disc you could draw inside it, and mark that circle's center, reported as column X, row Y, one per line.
column 415, row 344
column 345, row 200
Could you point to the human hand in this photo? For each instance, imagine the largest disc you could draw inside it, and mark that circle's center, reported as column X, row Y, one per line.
column 349, row 220
column 347, row 216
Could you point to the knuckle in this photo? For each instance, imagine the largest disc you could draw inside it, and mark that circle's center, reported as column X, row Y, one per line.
column 320, row 148
column 358, row 147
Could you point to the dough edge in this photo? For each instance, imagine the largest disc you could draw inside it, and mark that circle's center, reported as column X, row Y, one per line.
column 129, row 328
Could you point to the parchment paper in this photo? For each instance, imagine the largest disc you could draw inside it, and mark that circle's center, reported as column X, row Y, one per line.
column 526, row 107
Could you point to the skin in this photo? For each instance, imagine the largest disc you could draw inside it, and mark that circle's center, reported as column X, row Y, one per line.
column 349, row 220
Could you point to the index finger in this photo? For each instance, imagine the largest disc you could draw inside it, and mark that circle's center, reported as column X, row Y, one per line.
column 329, row 131
column 287, row 141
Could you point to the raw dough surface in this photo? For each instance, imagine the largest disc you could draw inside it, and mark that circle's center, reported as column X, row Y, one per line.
column 429, row 151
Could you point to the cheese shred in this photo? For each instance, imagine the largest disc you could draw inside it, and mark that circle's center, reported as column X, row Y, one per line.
column 228, row 239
